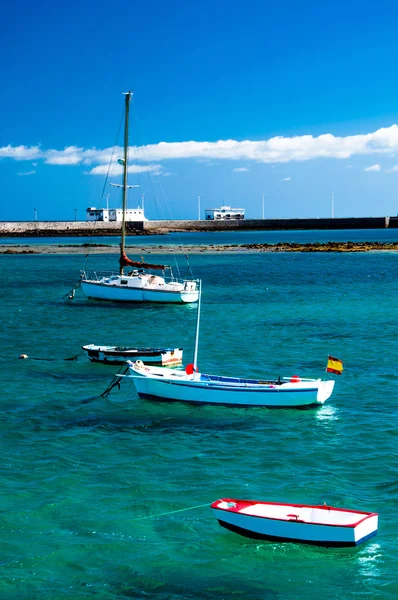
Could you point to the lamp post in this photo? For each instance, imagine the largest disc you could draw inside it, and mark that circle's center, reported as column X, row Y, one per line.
column 332, row 205
column 75, row 213
column 35, row 213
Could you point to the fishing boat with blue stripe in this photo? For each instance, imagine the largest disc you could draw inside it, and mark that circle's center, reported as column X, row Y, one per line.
column 199, row 388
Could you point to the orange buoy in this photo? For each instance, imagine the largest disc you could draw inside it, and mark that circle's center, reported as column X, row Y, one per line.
column 295, row 379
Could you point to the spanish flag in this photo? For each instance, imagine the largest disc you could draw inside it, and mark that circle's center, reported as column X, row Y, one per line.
column 334, row 365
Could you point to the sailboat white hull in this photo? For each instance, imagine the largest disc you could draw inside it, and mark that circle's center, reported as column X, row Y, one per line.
column 101, row 291
column 170, row 384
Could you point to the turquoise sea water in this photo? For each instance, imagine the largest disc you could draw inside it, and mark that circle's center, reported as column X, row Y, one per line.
column 222, row 237
column 82, row 476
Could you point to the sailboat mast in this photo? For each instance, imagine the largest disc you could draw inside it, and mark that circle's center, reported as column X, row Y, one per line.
column 195, row 356
column 126, row 145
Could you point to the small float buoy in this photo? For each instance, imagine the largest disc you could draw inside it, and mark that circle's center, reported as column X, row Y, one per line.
column 295, row 379
column 23, row 356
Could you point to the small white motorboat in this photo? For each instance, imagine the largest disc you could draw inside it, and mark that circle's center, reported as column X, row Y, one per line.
column 302, row 523
column 118, row 355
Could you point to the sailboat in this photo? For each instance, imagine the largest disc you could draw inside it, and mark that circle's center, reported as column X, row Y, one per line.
column 137, row 285
column 198, row 388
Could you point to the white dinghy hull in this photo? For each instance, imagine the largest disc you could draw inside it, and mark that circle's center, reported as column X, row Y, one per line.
column 317, row 525
column 175, row 385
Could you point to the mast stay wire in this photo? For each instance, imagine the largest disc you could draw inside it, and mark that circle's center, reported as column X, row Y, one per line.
column 163, row 193
column 104, row 186
column 72, row 292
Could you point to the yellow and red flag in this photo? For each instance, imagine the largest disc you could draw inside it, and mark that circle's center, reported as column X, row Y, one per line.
column 334, row 365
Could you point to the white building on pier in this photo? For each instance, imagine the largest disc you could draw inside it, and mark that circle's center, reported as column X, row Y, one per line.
column 224, row 213
column 115, row 214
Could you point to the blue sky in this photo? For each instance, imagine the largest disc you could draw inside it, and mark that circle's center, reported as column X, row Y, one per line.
column 231, row 99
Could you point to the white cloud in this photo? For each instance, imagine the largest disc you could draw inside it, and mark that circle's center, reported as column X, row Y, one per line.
column 286, row 179
column 68, row 156
column 240, row 170
column 393, row 169
column 274, row 150
column 376, row 167
column 23, row 173
column 117, row 169
column 20, row 152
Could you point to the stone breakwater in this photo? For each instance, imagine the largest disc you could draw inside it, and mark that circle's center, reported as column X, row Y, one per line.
column 209, row 249
column 98, row 228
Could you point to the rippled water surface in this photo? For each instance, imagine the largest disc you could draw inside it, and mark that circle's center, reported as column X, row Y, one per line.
column 83, row 476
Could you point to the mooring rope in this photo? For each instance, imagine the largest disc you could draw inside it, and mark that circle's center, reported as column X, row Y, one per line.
column 74, row 357
column 115, row 381
column 24, row 356
column 171, row 512
column 72, row 292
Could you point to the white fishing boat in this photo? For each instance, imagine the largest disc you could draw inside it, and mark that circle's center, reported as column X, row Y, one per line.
column 200, row 388
column 137, row 285
column 283, row 522
column 118, row 355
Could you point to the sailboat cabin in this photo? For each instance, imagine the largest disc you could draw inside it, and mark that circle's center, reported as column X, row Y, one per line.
column 115, row 214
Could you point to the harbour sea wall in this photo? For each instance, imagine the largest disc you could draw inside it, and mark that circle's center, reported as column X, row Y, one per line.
column 99, row 228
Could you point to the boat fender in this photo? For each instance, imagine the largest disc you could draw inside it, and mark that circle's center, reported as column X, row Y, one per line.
column 295, row 379
column 139, row 364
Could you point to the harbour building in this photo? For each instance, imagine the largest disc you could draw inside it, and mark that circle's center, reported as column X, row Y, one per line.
column 114, row 214
column 224, row 213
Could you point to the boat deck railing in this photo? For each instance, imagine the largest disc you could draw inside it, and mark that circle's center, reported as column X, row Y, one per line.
column 99, row 275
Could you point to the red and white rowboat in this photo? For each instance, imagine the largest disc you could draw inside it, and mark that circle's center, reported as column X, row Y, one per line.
column 319, row 525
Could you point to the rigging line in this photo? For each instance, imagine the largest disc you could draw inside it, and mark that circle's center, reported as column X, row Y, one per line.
column 104, row 186
column 159, row 210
